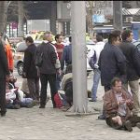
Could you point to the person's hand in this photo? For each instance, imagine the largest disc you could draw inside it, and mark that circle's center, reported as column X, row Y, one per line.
column 59, row 71
column 121, row 102
column 11, row 71
column 128, row 101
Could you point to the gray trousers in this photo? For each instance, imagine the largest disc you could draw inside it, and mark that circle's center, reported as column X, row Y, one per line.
column 134, row 87
column 33, row 85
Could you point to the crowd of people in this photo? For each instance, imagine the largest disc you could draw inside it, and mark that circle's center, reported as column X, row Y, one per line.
column 118, row 66
column 116, row 63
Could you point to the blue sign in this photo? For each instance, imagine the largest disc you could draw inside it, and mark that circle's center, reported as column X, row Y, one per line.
column 98, row 19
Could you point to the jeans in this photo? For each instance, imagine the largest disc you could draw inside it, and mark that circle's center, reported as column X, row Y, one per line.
column 45, row 78
column 96, row 79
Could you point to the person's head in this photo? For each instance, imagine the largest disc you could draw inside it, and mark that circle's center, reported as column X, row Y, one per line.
column 48, row 36
column 116, row 84
column 99, row 38
column 127, row 35
column 29, row 40
column 70, row 39
column 114, row 38
column 59, row 38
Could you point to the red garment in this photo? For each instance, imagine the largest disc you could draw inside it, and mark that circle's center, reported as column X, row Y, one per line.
column 59, row 48
column 8, row 50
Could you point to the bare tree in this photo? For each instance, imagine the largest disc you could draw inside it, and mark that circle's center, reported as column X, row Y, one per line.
column 4, row 5
column 90, row 11
column 20, row 18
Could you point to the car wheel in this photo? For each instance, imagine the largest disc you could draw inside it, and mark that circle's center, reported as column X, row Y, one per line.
column 20, row 68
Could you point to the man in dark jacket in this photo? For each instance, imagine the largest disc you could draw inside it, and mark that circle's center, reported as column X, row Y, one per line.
column 30, row 70
column 112, row 62
column 67, row 55
column 48, row 69
column 4, row 76
column 133, row 66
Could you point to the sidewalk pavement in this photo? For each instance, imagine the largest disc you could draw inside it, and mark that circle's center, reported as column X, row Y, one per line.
column 53, row 124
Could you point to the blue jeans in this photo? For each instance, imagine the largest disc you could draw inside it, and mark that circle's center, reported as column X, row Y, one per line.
column 96, row 79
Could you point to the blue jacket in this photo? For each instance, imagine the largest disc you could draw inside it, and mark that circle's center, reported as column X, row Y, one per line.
column 66, row 56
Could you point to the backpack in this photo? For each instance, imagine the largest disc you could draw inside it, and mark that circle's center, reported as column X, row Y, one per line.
column 60, row 100
column 93, row 60
column 39, row 59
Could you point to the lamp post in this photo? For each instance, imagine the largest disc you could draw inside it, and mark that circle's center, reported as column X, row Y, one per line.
column 78, row 22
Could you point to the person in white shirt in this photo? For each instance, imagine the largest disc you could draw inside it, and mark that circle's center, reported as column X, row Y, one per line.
column 96, row 77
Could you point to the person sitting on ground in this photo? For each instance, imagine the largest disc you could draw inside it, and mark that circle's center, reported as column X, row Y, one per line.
column 118, row 105
column 15, row 98
column 67, row 85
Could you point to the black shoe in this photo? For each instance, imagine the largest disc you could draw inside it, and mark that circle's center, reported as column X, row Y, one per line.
column 3, row 113
column 128, row 126
column 42, row 106
column 101, row 117
column 93, row 100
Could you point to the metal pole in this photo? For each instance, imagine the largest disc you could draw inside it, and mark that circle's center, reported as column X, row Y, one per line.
column 117, row 15
column 78, row 22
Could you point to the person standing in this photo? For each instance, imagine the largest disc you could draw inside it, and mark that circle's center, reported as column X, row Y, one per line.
column 133, row 66
column 48, row 69
column 59, row 47
column 112, row 62
column 29, row 69
column 96, row 77
column 67, row 55
column 4, row 76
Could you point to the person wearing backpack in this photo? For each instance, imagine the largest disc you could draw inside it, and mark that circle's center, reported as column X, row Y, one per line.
column 93, row 62
column 49, row 67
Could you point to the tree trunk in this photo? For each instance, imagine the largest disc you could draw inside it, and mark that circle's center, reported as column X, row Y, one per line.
column 20, row 19
column 89, row 10
column 3, row 15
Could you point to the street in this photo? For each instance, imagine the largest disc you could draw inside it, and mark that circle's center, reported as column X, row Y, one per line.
column 53, row 124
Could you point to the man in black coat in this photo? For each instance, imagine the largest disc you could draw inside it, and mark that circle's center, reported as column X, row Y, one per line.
column 48, row 69
column 133, row 66
column 4, row 76
column 29, row 69
column 112, row 62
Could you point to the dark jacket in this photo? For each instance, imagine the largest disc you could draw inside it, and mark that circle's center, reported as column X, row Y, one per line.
column 49, row 58
column 112, row 63
column 3, row 62
column 111, row 106
column 66, row 56
column 29, row 62
column 133, row 60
